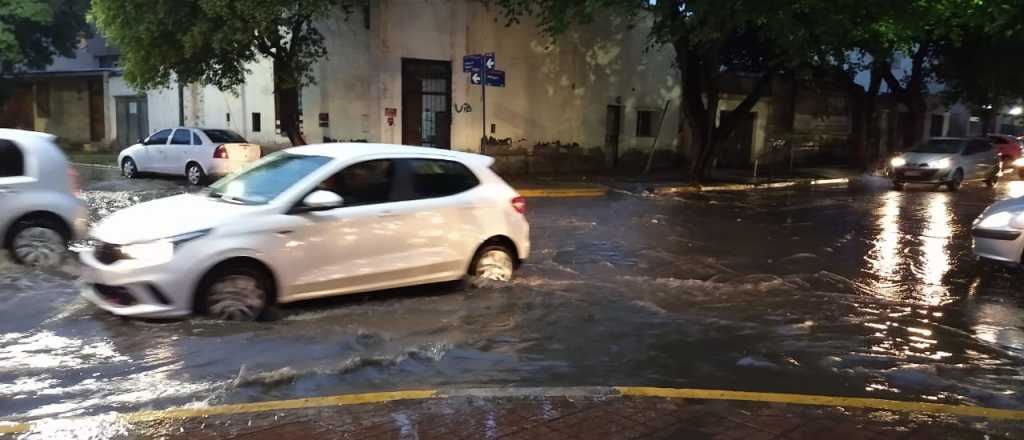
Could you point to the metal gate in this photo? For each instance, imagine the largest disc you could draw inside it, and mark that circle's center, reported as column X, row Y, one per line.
column 426, row 103
column 132, row 120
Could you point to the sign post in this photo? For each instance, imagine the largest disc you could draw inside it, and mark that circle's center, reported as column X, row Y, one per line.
column 482, row 72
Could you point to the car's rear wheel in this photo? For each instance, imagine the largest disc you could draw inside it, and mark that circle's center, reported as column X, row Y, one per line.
column 235, row 293
column 195, row 174
column 956, row 182
column 38, row 243
column 128, row 168
column 492, row 263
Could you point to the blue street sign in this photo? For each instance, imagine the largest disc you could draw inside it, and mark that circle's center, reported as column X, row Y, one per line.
column 472, row 63
column 489, row 60
column 496, row 78
column 476, row 78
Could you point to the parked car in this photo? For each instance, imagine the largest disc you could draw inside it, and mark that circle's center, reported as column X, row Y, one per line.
column 947, row 161
column 998, row 231
column 309, row 222
column 196, row 153
column 39, row 208
column 1008, row 147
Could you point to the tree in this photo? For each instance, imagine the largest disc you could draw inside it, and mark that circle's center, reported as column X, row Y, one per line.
column 33, row 32
column 710, row 39
column 210, row 42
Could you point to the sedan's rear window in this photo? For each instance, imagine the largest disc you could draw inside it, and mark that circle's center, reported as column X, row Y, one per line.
column 222, row 136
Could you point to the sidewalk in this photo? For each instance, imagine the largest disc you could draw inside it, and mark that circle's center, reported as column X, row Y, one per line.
column 539, row 414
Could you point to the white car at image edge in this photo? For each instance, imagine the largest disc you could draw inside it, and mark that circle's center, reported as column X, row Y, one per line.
column 39, row 208
column 195, row 153
column 999, row 232
column 309, row 222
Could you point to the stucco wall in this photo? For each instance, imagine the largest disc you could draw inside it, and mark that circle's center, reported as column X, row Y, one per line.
column 69, row 110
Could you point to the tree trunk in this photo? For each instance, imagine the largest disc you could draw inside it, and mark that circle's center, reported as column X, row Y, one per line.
column 286, row 100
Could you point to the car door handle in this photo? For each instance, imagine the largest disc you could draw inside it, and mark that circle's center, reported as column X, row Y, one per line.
column 387, row 214
column 7, row 191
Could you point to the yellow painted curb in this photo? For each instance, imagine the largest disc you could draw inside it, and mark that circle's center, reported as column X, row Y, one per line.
column 277, row 405
column 13, row 428
column 805, row 399
column 563, row 192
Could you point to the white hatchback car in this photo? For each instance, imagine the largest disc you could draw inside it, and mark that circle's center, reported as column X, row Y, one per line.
column 193, row 152
column 309, row 222
column 39, row 209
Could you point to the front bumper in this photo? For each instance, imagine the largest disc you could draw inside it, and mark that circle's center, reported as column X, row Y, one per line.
column 922, row 175
column 128, row 289
column 998, row 244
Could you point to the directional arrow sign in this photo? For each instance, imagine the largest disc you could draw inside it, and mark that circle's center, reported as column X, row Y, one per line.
column 489, row 60
column 472, row 63
column 496, row 78
column 476, row 78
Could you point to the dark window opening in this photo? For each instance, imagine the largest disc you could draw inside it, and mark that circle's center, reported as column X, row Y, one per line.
column 325, row 119
column 439, row 178
column 227, row 117
column 181, row 137
column 645, row 123
column 937, row 122
column 225, row 136
column 159, row 138
column 196, row 140
column 12, row 162
column 255, row 122
column 364, row 183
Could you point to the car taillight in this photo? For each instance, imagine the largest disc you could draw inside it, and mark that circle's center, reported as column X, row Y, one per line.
column 220, row 153
column 73, row 182
column 519, row 204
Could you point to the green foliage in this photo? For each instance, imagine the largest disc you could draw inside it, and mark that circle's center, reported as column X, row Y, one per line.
column 211, row 41
column 33, row 32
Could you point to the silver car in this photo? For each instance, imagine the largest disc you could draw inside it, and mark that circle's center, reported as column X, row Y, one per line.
column 998, row 232
column 39, row 209
column 947, row 161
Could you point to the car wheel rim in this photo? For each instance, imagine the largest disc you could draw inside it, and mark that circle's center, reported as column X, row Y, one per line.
column 495, row 265
column 193, row 175
column 38, row 247
column 237, row 298
column 129, row 169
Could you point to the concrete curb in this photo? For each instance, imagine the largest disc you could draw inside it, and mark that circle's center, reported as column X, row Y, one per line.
column 594, row 392
column 682, row 189
column 93, row 165
column 563, row 192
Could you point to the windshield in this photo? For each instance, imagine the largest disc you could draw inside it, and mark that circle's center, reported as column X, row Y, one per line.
column 939, row 146
column 222, row 136
column 267, row 179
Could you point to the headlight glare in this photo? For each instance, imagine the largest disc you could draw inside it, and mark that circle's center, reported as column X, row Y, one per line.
column 898, row 162
column 159, row 251
column 941, row 163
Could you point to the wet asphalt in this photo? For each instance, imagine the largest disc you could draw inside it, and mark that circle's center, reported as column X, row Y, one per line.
column 853, row 291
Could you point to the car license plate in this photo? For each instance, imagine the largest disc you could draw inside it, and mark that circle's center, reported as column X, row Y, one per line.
column 912, row 173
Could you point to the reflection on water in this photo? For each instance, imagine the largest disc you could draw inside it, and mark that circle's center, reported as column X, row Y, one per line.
column 884, row 257
column 935, row 258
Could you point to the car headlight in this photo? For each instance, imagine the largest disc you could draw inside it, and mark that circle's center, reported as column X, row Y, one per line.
column 1003, row 220
column 1019, row 162
column 941, row 163
column 898, row 162
column 159, row 251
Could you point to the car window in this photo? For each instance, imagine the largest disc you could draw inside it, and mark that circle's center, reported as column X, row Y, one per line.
column 223, row 136
column 438, row 178
column 159, row 138
column 267, row 178
column 196, row 140
column 975, row 147
column 939, row 146
column 364, row 183
column 181, row 137
column 12, row 161
column 997, row 140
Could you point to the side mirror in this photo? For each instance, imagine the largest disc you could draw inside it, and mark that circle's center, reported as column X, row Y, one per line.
column 140, row 141
column 321, row 200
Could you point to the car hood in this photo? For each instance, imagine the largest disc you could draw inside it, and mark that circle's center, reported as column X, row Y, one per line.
column 919, row 158
column 167, row 217
column 1014, row 204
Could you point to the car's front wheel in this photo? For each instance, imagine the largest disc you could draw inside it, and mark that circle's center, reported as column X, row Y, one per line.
column 128, row 168
column 492, row 263
column 238, row 292
column 38, row 243
column 956, row 181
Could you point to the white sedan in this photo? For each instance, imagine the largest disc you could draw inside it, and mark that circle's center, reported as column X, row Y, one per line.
column 305, row 223
column 193, row 152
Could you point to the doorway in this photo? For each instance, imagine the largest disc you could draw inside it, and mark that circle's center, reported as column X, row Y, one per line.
column 132, row 120
column 735, row 152
column 612, row 130
column 426, row 103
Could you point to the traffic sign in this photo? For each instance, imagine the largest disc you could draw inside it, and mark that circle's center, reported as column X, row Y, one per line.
column 472, row 63
column 489, row 60
column 476, row 78
column 496, row 78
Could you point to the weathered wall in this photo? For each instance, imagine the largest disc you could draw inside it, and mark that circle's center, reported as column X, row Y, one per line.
column 68, row 115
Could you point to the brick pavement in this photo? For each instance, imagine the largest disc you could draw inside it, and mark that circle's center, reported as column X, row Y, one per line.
column 541, row 418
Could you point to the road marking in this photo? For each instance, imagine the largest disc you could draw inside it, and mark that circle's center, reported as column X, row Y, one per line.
column 806, row 399
column 574, row 392
column 563, row 192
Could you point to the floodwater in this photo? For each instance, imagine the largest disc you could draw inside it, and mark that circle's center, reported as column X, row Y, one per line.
column 856, row 291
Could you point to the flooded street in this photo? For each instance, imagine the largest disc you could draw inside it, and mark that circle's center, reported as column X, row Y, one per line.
column 858, row 291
